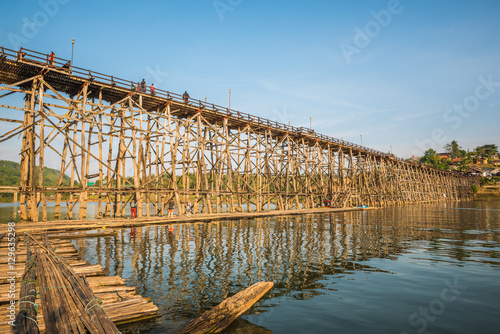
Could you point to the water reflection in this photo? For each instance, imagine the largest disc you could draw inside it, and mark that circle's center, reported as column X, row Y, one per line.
column 188, row 268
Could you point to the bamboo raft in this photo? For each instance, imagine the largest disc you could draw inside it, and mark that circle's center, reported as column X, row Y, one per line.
column 57, row 292
column 60, row 293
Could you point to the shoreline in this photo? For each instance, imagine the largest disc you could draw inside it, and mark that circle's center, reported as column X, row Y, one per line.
column 488, row 191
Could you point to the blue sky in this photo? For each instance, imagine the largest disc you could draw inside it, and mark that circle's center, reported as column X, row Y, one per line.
column 390, row 71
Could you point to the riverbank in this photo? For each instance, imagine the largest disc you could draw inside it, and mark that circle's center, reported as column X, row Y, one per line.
column 488, row 191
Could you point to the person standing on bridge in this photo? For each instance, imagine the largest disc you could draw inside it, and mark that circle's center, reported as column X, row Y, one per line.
column 152, row 88
column 143, row 86
column 171, row 207
column 52, row 58
column 133, row 208
column 185, row 97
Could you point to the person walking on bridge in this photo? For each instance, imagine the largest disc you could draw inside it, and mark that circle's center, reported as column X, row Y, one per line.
column 185, row 97
column 152, row 88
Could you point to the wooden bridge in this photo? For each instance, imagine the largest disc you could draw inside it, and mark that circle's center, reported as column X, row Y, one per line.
column 117, row 142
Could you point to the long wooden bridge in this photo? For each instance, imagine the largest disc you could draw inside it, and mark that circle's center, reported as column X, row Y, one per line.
column 118, row 143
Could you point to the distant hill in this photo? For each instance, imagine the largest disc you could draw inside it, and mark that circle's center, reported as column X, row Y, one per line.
column 10, row 175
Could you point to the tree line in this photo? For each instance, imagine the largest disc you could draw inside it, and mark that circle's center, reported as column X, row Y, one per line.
column 10, row 175
column 454, row 150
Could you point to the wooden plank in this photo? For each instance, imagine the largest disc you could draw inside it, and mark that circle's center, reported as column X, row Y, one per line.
column 83, row 235
column 221, row 316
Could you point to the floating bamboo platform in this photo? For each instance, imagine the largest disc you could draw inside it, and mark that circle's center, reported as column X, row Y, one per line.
column 53, row 296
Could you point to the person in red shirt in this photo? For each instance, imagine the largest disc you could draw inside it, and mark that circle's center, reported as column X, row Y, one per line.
column 52, row 57
column 133, row 208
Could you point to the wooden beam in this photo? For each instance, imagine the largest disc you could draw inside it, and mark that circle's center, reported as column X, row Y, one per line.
column 221, row 316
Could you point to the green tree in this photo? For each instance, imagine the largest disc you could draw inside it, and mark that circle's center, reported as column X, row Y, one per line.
column 442, row 163
column 487, row 150
column 453, row 149
column 431, row 158
column 428, row 156
column 465, row 164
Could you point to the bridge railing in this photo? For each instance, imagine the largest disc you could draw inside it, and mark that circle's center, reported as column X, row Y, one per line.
column 64, row 65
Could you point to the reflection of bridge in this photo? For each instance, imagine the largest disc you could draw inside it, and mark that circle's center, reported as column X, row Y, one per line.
column 117, row 142
column 197, row 265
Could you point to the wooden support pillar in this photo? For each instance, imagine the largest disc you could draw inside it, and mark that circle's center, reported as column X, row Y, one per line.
column 101, row 174
column 41, row 152
column 230, row 185
column 109, row 179
column 135, row 155
column 61, row 175
column 24, row 186
column 32, row 184
column 82, row 202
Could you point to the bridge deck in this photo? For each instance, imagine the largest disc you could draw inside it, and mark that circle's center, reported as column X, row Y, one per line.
column 16, row 66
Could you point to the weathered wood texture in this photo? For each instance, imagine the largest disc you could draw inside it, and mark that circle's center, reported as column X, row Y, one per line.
column 120, row 145
column 46, row 292
column 26, row 317
column 221, row 316
column 69, row 306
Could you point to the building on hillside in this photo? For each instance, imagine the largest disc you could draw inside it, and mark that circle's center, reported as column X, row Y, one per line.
column 479, row 161
column 490, row 171
column 455, row 163
column 444, row 155
column 474, row 171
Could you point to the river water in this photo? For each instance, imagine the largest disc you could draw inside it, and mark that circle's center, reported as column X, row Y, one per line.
column 415, row 269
